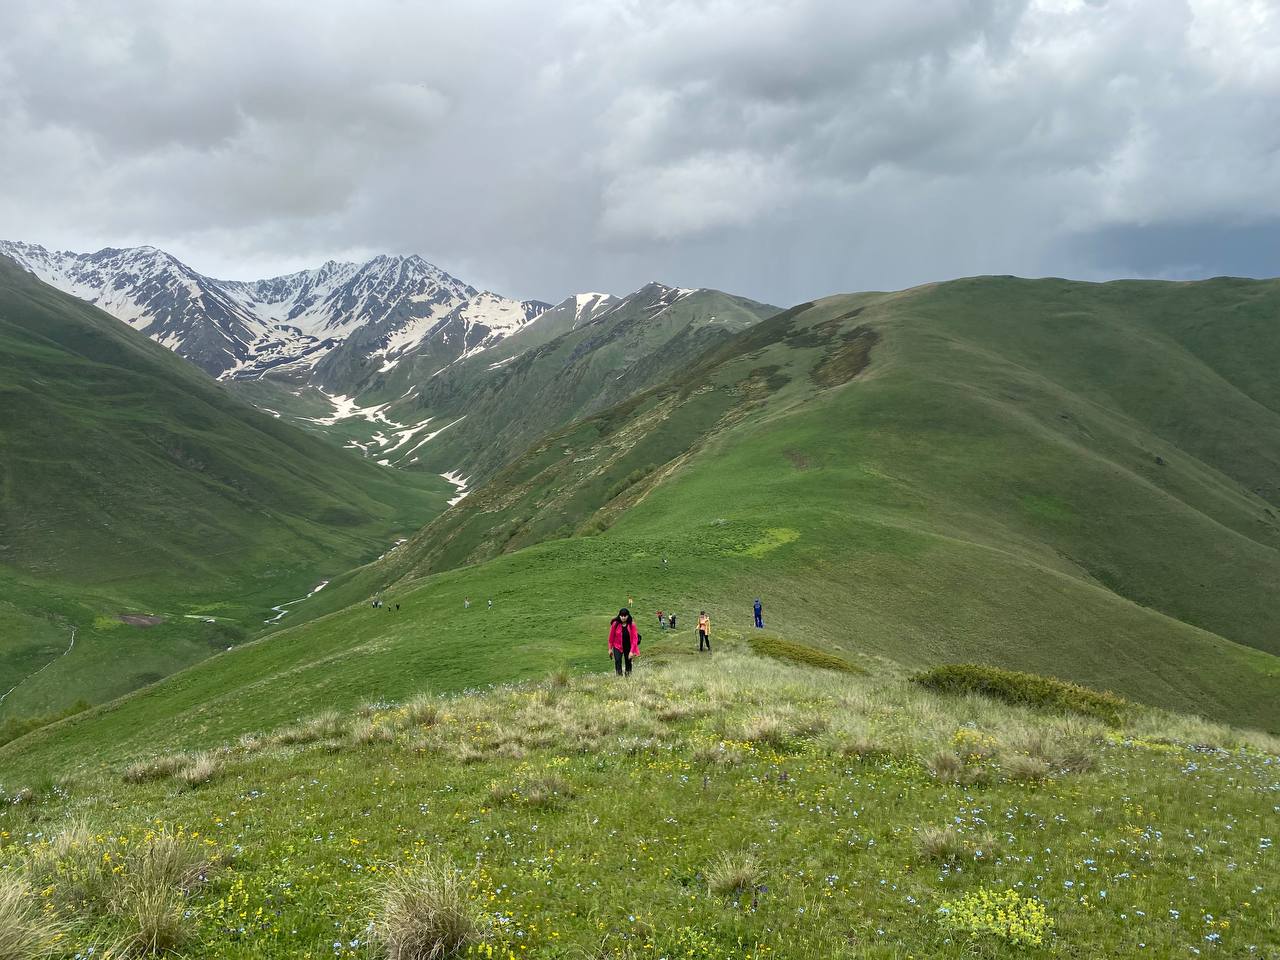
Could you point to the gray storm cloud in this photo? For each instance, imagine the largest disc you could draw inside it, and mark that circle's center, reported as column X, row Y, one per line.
column 782, row 149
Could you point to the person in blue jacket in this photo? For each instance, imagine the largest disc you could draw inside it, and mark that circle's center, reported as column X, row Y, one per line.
column 759, row 613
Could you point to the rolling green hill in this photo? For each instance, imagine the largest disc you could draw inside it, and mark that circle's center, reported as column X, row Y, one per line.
column 1070, row 479
column 131, row 484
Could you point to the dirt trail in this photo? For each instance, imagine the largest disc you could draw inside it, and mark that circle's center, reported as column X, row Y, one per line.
column 70, row 647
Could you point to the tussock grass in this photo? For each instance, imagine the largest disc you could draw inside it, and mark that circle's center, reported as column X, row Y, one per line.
column 1024, row 768
column 200, row 768
column 157, row 768
column 26, row 931
column 366, row 732
column 733, row 874
column 139, row 885
column 329, row 725
column 422, row 711
column 942, row 843
column 717, row 754
column 949, row 767
column 777, row 728
column 154, row 919
column 854, row 745
column 425, row 914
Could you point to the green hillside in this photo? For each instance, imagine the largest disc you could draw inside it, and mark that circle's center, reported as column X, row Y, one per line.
column 899, row 476
column 131, row 484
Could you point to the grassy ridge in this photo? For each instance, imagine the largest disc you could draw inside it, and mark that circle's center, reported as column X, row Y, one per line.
column 132, row 484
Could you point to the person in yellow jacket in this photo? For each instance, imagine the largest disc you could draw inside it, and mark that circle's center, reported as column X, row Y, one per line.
column 704, row 632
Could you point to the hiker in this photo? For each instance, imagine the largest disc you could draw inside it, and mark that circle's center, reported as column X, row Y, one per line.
column 490, row 604
column 662, row 620
column 397, row 608
column 671, row 621
column 466, row 603
column 759, row 611
column 704, row 632
column 624, row 641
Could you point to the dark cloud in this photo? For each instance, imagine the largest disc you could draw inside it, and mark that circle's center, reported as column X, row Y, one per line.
column 778, row 148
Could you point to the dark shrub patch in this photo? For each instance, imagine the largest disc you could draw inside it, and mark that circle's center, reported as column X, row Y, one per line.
column 799, row 653
column 1027, row 689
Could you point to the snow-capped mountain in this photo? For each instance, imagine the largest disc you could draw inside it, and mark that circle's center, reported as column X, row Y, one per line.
column 366, row 314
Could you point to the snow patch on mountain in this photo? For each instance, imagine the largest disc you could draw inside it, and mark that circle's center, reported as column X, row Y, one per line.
column 290, row 323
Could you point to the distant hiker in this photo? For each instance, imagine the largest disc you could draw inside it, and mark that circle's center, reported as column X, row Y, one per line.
column 759, row 611
column 704, row 632
column 466, row 603
column 662, row 620
column 624, row 642
column 664, row 562
column 671, row 621
column 397, row 607
column 490, row 604
column 631, row 601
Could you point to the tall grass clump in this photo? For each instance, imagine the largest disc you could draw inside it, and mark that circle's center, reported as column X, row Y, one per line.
column 329, row 725
column 155, row 768
column 155, row 919
column 941, row 843
column 26, row 932
column 200, row 769
column 1024, row 689
column 425, row 914
column 732, row 874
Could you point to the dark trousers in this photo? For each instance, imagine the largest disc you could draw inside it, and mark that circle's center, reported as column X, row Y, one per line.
column 621, row 659
column 759, row 620
column 704, row 641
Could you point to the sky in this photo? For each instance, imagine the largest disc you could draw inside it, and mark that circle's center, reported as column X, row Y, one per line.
column 778, row 149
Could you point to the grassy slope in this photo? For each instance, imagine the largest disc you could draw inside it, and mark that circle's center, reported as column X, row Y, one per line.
column 940, row 507
column 130, row 483
column 589, row 819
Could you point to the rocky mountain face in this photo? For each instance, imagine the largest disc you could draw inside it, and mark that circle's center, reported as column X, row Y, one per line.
column 323, row 325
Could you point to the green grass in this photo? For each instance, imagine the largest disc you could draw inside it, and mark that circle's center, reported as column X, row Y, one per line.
column 1027, row 689
column 545, row 797
column 130, row 483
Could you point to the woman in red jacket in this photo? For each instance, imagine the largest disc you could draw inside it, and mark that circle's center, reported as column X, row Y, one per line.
column 624, row 641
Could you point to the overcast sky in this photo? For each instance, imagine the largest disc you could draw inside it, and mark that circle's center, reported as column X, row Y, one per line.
column 782, row 149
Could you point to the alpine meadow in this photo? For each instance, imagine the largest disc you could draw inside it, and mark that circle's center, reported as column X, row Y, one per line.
column 361, row 610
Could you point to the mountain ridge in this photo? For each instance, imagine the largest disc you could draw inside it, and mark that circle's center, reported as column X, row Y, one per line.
column 244, row 329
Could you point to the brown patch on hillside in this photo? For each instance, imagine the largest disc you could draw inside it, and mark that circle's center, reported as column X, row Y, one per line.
column 140, row 619
column 847, row 360
column 798, row 460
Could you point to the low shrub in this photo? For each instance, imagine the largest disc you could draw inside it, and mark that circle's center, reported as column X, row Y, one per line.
column 1006, row 915
column 1024, row 689
column 790, row 652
